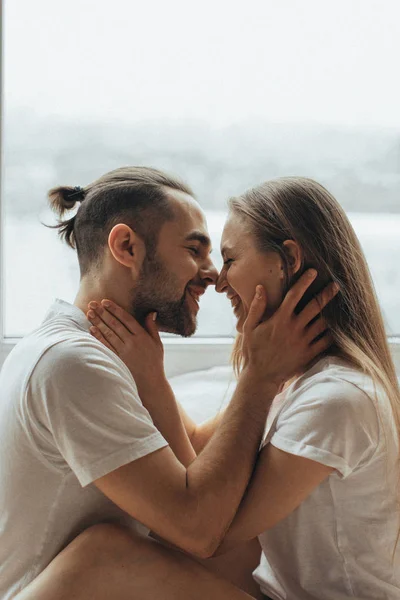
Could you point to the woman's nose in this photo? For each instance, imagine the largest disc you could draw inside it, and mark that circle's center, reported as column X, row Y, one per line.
column 221, row 283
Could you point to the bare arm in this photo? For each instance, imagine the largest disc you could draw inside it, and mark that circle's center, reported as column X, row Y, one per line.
column 192, row 508
column 160, row 401
column 200, row 435
column 280, row 483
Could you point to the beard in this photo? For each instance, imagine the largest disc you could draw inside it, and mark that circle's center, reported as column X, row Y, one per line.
column 155, row 291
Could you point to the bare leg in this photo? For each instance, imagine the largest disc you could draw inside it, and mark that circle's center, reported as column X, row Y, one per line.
column 106, row 561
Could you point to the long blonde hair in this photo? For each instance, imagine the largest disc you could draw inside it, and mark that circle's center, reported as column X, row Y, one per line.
column 300, row 209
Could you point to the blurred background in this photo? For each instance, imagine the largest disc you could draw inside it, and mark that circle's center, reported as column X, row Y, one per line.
column 224, row 94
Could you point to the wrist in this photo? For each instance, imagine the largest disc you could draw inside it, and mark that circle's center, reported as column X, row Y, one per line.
column 154, row 384
column 261, row 378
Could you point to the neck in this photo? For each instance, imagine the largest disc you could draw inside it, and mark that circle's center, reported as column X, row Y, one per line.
column 98, row 289
column 307, row 368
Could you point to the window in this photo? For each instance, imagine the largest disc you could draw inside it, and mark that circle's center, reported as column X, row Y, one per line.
column 226, row 95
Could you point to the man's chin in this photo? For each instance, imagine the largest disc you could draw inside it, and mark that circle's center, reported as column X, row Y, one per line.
column 187, row 330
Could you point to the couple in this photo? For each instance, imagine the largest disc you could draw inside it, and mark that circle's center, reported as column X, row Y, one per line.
column 96, row 451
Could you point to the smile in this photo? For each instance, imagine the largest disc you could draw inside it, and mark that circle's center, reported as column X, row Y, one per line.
column 194, row 299
column 235, row 301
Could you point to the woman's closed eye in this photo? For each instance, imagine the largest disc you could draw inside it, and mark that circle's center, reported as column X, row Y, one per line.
column 228, row 261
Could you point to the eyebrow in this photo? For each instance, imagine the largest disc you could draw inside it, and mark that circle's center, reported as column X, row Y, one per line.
column 198, row 236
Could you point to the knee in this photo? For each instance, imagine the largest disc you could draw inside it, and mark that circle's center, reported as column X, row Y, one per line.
column 93, row 560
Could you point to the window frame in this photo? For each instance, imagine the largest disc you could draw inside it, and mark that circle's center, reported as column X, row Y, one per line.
column 197, row 354
column 204, row 353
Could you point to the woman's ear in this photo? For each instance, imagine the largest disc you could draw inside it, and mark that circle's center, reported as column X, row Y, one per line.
column 294, row 255
column 126, row 247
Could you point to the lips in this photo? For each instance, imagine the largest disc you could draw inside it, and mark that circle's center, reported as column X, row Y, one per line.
column 194, row 297
column 194, row 302
column 235, row 301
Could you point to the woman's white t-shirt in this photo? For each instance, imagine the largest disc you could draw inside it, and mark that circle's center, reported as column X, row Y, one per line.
column 340, row 542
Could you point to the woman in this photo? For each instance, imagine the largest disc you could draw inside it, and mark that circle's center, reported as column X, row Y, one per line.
column 324, row 496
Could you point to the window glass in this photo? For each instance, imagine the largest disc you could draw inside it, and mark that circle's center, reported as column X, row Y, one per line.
column 226, row 95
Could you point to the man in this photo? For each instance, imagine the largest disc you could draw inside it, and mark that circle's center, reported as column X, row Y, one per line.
column 83, row 463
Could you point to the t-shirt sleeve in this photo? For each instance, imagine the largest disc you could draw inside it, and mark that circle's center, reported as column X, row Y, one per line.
column 88, row 402
column 334, row 423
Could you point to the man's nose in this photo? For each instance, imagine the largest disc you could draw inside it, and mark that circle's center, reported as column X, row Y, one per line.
column 209, row 273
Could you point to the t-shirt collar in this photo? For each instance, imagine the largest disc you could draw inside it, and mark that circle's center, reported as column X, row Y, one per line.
column 65, row 309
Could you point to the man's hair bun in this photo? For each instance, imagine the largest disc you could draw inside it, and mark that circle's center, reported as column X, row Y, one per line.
column 64, row 198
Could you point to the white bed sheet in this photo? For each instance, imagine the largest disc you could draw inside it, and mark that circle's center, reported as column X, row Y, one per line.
column 204, row 393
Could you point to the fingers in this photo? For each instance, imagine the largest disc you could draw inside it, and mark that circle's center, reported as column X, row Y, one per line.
column 322, row 345
column 99, row 316
column 315, row 306
column 152, row 327
column 296, row 292
column 99, row 336
column 112, row 330
column 107, row 332
column 123, row 316
column 316, row 329
column 256, row 310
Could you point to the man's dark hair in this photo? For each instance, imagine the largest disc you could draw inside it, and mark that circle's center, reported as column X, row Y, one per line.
column 136, row 196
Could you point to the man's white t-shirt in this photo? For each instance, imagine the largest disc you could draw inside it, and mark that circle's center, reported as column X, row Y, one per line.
column 69, row 414
column 339, row 543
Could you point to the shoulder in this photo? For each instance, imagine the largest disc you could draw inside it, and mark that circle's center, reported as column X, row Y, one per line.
column 333, row 390
column 77, row 357
column 330, row 416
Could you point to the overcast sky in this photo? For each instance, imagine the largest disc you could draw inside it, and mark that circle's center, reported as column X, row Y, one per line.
column 221, row 61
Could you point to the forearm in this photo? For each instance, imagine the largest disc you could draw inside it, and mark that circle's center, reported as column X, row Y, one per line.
column 186, row 438
column 160, row 401
column 202, row 434
column 199, row 435
column 217, row 479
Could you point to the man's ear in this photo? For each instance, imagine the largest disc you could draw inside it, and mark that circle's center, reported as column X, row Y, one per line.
column 294, row 255
column 127, row 247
